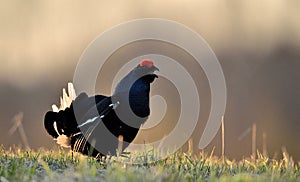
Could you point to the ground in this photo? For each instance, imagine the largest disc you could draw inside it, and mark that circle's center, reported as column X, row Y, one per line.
column 60, row 165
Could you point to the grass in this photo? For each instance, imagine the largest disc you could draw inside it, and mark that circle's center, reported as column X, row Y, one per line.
column 59, row 165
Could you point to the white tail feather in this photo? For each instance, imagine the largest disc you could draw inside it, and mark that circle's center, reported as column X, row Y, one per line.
column 71, row 91
column 55, row 108
column 63, row 141
column 66, row 99
column 55, row 128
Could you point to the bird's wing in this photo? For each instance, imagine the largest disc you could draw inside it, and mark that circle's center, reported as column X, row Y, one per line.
column 83, row 104
column 96, row 111
column 95, row 115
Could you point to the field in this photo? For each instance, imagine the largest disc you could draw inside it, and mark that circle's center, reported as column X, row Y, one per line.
column 59, row 165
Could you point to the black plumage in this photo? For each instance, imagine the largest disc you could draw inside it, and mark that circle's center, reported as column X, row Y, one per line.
column 93, row 125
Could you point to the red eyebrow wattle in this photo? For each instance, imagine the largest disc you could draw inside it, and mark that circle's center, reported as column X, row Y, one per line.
column 147, row 62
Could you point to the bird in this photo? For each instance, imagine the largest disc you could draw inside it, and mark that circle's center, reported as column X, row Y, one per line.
column 95, row 125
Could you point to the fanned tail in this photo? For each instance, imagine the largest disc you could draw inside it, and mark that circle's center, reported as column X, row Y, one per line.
column 51, row 118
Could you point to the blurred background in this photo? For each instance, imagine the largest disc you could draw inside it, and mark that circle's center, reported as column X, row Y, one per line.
column 256, row 42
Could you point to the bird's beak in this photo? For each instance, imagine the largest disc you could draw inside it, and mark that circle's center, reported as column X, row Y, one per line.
column 155, row 68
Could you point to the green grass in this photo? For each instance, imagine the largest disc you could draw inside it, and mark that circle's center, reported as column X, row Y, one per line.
column 42, row 165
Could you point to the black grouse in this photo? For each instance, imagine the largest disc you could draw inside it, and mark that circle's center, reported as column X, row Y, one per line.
column 95, row 125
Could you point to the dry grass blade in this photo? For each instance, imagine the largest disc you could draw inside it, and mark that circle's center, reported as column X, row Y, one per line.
column 18, row 125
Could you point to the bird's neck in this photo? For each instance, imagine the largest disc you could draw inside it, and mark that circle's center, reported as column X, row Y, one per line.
column 137, row 97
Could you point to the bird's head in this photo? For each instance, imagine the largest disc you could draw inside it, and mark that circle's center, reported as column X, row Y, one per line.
column 142, row 73
column 146, row 70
